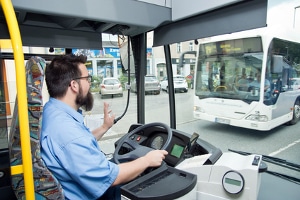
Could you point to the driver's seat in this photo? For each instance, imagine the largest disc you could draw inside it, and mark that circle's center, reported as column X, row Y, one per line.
column 45, row 184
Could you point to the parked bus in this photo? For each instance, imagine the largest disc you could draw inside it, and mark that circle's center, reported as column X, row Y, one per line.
column 249, row 79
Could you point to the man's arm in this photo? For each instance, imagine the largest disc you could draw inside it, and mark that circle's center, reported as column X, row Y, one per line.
column 130, row 170
column 267, row 85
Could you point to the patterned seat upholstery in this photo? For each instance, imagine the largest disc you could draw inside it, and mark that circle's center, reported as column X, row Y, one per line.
column 46, row 186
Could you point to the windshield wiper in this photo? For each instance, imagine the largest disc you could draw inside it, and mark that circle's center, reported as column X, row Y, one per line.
column 276, row 161
column 273, row 160
column 284, row 176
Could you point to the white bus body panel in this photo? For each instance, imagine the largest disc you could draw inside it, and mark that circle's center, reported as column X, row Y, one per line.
column 235, row 112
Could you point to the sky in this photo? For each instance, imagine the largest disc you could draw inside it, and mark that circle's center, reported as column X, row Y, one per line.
column 284, row 12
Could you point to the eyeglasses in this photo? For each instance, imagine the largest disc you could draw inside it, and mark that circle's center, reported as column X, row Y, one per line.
column 88, row 78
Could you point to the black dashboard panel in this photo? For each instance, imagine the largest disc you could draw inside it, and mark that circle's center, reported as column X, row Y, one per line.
column 156, row 184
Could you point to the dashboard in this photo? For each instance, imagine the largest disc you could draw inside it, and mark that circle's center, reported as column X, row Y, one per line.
column 154, row 183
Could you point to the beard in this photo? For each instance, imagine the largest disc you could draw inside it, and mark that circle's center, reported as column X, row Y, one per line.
column 86, row 102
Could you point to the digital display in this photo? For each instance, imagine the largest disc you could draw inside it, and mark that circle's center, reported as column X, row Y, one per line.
column 232, row 181
column 177, row 150
column 246, row 45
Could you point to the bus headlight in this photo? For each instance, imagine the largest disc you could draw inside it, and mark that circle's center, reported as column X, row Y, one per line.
column 259, row 118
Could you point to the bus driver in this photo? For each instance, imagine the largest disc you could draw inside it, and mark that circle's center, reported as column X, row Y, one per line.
column 69, row 149
column 256, row 84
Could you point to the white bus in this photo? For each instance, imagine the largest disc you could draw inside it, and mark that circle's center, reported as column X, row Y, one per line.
column 249, row 79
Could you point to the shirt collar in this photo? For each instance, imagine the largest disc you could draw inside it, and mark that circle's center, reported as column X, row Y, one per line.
column 77, row 115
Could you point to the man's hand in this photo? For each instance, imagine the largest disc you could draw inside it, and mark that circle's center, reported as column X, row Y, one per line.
column 108, row 122
column 155, row 157
column 108, row 117
column 130, row 170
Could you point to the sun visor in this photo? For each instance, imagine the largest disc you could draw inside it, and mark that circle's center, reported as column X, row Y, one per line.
column 236, row 17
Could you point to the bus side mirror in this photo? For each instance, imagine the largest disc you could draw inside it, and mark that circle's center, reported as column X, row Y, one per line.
column 277, row 64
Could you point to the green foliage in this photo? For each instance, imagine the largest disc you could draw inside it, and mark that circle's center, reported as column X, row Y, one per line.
column 95, row 84
column 96, row 79
column 124, row 80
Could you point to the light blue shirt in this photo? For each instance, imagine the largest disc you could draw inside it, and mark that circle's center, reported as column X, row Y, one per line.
column 72, row 154
column 256, row 84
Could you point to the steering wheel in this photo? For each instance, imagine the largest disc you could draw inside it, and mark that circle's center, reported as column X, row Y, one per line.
column 138, row 150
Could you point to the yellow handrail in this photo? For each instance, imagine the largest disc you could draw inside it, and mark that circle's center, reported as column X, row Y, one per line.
column 16, row 41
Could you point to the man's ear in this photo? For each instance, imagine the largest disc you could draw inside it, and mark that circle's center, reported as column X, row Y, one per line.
column 74, row 86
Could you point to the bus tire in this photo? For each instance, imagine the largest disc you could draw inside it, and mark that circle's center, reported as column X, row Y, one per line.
column 296, row 113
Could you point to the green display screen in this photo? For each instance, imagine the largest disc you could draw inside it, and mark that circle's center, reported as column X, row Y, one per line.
column 232, row 181
column 177, row 151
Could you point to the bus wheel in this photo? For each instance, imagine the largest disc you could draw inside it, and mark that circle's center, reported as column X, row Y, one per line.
column 296, row 113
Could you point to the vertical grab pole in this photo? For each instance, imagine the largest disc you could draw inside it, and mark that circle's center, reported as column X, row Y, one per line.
column 16, row 41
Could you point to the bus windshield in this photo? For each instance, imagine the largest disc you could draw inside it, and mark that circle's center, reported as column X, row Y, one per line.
column 228, row 69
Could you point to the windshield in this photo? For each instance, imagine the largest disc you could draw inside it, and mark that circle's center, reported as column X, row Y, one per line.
column 212, row 72
column 228, row 69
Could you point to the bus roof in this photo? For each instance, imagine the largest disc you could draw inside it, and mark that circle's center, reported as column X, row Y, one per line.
column 265, row 32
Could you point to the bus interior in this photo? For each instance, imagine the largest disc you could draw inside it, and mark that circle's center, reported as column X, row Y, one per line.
column 194, row 168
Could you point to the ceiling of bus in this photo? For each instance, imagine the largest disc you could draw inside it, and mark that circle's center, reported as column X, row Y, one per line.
column 79, row 24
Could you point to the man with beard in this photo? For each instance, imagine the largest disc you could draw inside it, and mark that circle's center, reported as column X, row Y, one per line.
column 69, row 149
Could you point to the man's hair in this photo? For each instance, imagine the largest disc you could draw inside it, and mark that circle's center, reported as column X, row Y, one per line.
column 61, row 71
